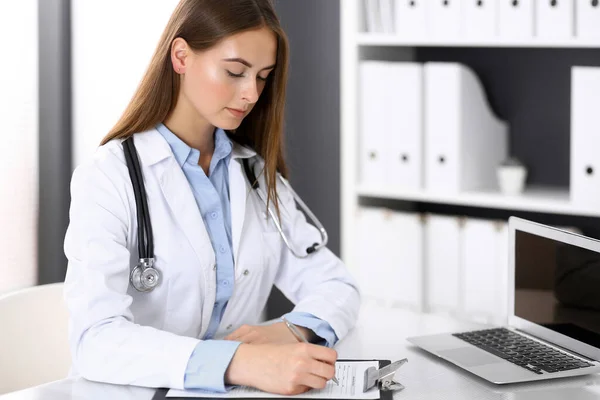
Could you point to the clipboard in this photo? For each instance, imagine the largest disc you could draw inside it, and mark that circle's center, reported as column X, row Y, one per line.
column 161, row 394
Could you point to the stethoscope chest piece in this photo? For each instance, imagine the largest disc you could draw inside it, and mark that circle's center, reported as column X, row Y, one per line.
column 144, row 277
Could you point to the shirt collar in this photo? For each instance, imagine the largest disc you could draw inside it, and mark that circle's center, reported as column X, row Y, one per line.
column 182, row 152
column 223, row 145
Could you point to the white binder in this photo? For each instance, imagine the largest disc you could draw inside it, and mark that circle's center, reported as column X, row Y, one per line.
column 484, row 270
column 386, row 15
column 402, row 281
column 502, row 246
column 372, row 16
column 444, row 18
column 516, row 19
column 587, row 19
column 370, row 253
column 404, row 125
column 585, row 137
column 480, row 19
column 554, row 18
column 372, row 137
column 464, row 141
column 390, row 254
column 443, row 262
column 410, row 18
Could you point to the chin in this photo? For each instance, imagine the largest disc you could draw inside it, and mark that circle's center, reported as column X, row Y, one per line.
column 228, row 125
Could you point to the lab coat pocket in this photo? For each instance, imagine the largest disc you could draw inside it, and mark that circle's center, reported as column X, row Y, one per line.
column 255, row 275
column 260, row 259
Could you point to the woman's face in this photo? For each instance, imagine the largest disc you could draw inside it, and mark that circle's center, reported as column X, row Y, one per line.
column 224, row 82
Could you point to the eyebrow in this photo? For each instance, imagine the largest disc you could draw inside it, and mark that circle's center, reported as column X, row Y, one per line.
column 246, row 63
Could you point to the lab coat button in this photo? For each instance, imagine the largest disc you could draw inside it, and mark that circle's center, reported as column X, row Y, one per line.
column 246, row 272
column 229, row 326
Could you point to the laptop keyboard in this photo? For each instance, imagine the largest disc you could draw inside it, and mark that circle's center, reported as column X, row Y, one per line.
column 522, row 351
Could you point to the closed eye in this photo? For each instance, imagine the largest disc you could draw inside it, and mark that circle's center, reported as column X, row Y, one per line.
column 234, row 75
column 242, row 75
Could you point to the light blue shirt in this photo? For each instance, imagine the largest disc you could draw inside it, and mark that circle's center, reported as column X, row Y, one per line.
column 210, row 359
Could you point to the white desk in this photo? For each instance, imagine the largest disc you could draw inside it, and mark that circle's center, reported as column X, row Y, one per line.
column 380, row 333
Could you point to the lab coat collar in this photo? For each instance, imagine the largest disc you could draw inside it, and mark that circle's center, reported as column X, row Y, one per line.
column 153, row 148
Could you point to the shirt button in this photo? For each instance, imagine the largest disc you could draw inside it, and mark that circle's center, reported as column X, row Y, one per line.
column 225, row 282
column 213, row 215
column 222, row 249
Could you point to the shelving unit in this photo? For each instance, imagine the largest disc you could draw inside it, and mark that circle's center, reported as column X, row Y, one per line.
column 354, row 45
column 534, row 199
column 371, row 39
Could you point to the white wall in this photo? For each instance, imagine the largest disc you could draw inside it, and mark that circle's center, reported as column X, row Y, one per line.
column 113, row 41
column 19, row 149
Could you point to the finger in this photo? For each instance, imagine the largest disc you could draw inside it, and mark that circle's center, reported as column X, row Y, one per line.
column 313, row 381
column 239, row 332
column 250, row 337
column 233, row 335
column 322, row 353
column 297, row 389
column 321, row 369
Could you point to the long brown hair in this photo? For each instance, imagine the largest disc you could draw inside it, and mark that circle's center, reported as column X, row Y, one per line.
column 202, row 24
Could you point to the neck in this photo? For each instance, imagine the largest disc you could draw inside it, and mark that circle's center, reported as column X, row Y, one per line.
column 190, row 127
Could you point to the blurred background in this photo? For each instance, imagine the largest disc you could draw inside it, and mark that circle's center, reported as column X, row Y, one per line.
column 69, row 69
column 370, row 82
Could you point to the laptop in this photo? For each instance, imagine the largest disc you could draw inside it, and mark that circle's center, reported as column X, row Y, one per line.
column 553, row 328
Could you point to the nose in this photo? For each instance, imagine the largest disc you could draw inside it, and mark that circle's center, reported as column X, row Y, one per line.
column 250, row 91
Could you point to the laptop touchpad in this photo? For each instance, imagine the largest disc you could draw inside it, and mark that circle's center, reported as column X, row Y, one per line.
column 469, row 356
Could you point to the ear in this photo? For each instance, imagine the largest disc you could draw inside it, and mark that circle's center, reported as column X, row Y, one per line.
column 179, row 53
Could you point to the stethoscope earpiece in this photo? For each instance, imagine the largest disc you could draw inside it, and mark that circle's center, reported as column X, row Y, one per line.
column 312, row 249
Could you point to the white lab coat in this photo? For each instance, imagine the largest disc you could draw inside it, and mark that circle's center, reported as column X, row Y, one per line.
column 119, row 335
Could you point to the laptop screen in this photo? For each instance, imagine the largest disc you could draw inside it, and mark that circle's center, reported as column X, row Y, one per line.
column 557, row 286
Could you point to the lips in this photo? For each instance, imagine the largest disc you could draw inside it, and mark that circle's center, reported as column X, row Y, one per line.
column 236, row 112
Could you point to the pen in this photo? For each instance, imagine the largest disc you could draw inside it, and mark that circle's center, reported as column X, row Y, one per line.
column 301, row 337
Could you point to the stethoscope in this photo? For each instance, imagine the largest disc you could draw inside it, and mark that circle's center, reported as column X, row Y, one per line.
column 145, row 276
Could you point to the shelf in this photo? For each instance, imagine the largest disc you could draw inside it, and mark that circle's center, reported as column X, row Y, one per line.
column 373, row 39
column 535, row 199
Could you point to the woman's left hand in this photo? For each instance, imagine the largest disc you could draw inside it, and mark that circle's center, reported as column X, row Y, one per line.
column 277, row 333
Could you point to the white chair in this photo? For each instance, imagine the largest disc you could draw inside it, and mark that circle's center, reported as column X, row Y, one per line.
column 33, row 337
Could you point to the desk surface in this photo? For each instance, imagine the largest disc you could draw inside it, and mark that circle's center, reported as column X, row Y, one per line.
column 379, row 333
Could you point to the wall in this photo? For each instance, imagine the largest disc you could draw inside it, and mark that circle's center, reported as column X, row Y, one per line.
column 19, row 150
column 313, row 114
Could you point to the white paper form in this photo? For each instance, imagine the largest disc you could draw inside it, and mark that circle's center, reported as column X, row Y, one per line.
column 349, row 374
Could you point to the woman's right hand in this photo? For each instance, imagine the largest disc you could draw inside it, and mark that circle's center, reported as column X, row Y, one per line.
column 285, row 369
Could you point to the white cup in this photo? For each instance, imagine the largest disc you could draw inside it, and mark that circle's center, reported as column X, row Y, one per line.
column 511, row 179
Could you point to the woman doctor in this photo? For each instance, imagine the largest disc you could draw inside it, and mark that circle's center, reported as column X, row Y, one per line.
column 212, row 97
